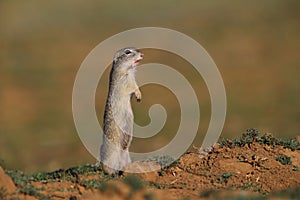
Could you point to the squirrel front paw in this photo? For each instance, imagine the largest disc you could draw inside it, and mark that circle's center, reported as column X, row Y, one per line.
column 138, row 95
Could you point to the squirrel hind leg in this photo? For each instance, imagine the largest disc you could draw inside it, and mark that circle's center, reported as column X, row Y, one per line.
column 119, row 164
column 124, row 159
column 110, row 157
column 108, row 170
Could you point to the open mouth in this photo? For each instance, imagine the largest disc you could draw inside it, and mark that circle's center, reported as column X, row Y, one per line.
column 137, row 61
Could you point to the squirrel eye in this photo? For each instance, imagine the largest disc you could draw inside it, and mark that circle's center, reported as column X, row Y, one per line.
column 128, row 52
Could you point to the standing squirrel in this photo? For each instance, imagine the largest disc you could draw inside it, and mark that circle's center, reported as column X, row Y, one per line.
column 118, row 116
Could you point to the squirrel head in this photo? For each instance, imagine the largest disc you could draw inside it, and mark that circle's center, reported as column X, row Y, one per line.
column 126, row 59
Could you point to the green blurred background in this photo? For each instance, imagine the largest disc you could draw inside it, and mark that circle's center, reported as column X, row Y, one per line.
column 255, row 44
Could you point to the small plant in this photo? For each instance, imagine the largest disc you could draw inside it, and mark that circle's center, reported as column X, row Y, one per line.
column 223, row 178
column 292, row 144
column 67, row 174
column 32, row 191
column 158, row 185
column 251, row 186
column 29, row 190
column 103, row 186
column 134, row 182
column 284, row 160
column 174, row 163
column 247, row 137
column 295, row 168
column 161, row 172
column 22, row 181
column 267, row 139
column 18, row 177
column 83, row 170
column 94, row 184
column 226, row 143
column 60, row 189
column 251, row 135
column 70, row 189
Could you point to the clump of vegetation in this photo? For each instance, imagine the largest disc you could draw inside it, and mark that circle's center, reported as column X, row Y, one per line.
column 269, row 139
column 292, row 144
column 251, row 186
column 284, row 160
column 252, row 135
column 158, row 185
column 94, row 184
column 22, row 181
column 19, row 178
column 32, row 191
column 161, row 172
column 295, row 168
column 28, row 190
column 135, row 182
column 248, row 137
column 223, row 178
column 67, row 174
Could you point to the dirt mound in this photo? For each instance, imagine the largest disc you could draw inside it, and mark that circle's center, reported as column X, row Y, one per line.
column 251, row 166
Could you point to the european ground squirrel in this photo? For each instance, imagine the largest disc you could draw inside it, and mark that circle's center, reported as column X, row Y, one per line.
column 118, row 116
